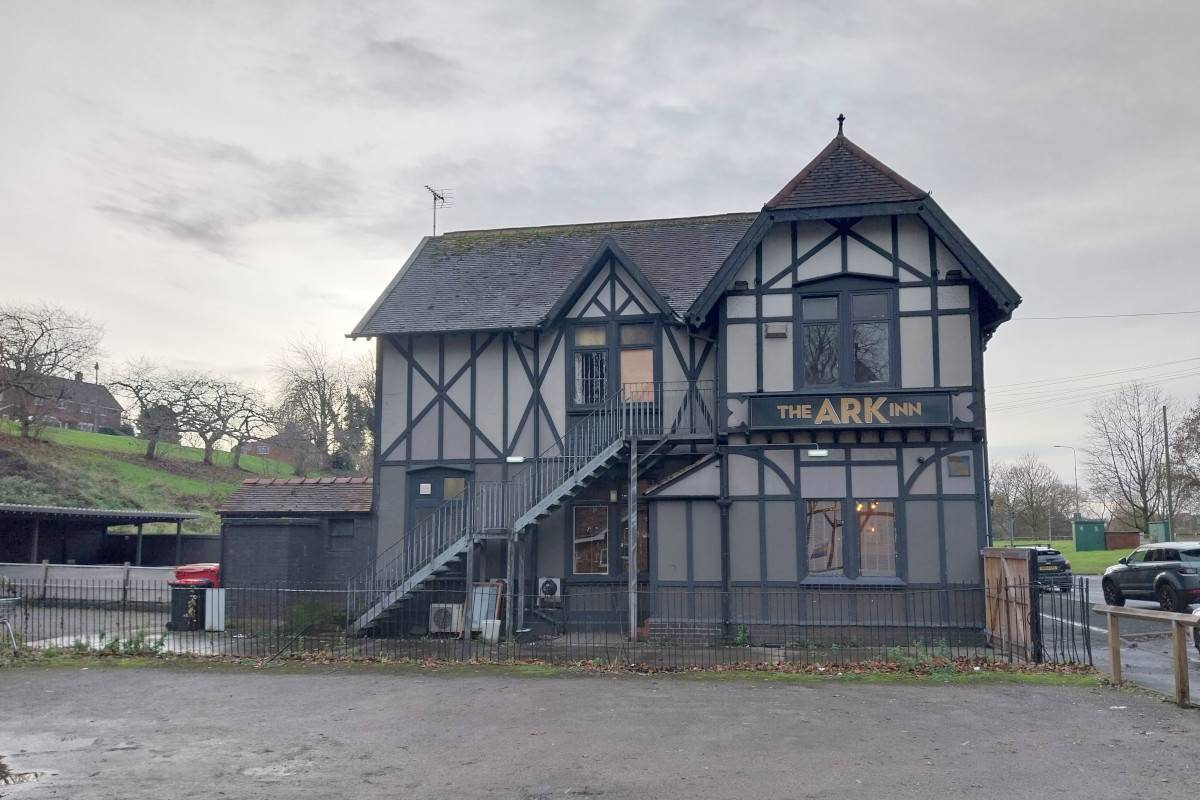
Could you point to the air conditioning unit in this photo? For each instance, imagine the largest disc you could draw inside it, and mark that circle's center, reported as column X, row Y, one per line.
column 445, row 618
column 549, row 592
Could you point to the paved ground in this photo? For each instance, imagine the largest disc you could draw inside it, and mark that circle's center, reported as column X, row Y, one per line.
column 157, row 732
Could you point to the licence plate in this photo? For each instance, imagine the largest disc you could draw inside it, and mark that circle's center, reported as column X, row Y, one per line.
column 1049, row 568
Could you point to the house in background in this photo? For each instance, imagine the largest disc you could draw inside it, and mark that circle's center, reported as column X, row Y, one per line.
column 65, row 403
column 706, row 411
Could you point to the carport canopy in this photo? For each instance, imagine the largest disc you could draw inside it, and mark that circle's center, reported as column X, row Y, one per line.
column 36, row 515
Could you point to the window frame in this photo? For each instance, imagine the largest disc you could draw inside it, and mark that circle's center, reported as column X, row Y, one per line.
column 613, row 349
column 844, row 291
column 851, row 544
column 607, row 547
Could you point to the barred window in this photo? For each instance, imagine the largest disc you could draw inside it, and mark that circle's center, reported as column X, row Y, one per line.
column 591, row 376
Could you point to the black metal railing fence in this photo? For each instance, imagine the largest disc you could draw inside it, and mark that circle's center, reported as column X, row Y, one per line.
column 679, row 626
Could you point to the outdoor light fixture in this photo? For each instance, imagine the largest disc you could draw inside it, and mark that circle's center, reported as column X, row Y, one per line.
column 818, row 453
column 515, row 459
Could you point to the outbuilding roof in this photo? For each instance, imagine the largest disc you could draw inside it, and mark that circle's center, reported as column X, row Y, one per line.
column 260, row 496
column 105, row 516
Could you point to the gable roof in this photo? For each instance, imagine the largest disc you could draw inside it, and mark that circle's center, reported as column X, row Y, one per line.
column 844, row 174
column 511, row 278
column 609, row 248
column 78, row 391
column 299, row 496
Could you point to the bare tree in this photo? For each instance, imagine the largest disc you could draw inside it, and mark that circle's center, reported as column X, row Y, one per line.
column 312, row 394
column 39, row 343
column 1185, row 460
column 1126, row 454
column 251, row 422
column 1033, row 494
column 162, row 399
column 213, row 408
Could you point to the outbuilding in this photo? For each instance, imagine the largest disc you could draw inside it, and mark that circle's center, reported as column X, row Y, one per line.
column 296, row 532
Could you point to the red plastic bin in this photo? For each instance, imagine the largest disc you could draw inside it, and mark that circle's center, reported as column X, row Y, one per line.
column 198, row 575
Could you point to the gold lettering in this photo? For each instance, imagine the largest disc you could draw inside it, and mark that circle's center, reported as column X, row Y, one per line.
column 784, row 411
column 805, row 411
column 826, row 413
column 916, row 408
column 851, row 409
column 872, row 412
column 895, row 409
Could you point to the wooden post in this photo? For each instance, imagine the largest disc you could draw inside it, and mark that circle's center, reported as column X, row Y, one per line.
column 631, row 563
column 1114, row 647
column 1179, row 647
column 138, row 560
column 178, row 541
column 33, row 550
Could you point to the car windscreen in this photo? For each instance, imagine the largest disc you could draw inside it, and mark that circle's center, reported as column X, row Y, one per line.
column 1049, row 553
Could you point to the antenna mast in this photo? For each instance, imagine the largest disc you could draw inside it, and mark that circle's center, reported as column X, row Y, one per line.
column 439, row 200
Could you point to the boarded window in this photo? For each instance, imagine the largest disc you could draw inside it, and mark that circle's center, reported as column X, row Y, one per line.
column 825, row 528
column 453, row 487
column 876, row 538
column 341, row 535
column 637, row 375
column 959, row 466
column 637, row 335
column 590, row 540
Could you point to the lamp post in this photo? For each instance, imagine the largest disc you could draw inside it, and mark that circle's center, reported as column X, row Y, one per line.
column 1075, row 463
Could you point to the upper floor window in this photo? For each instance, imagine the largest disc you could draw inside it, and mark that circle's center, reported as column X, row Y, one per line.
column 845, row 338
column 596, row 347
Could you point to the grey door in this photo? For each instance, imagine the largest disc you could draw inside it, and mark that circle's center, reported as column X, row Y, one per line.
column 1145, row 570
column 1128, row 577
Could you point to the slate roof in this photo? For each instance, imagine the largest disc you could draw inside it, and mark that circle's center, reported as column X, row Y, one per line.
column 511, row 277
column 284, row 496
column 844, row 174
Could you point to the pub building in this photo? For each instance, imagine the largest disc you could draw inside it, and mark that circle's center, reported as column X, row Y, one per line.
column 738, row 405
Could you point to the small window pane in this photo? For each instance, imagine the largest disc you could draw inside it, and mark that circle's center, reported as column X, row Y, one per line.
column 453, row 487
column 591, row 376
column 591, row 540
column 871, row 352
column 817, row 308
column 959, row 466
column 869, row 306
column 820, row 354
column 637, row 375
column 637, row 334
column 876, row 538
column 825, row 537
column 596, row 336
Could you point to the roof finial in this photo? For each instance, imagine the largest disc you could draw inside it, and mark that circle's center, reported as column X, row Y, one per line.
column 841, row 119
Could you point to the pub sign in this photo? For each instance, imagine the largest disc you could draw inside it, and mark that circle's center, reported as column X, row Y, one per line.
column 850, row 411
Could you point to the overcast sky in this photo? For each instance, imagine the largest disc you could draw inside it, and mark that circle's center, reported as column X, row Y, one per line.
column 209, row 180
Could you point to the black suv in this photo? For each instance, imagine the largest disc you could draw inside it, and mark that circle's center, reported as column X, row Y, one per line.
column 1168, row 572
column 1054, row 571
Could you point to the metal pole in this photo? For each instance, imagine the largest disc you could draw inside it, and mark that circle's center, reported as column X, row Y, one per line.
column 37, row 526
column 1170, row 503
column 508, row 585
column 178, row 541
column 466, row 634
column 138, row 560
column 631, row 545
column 1075, row 465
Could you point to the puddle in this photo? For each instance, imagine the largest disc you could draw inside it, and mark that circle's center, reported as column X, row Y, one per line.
column 10, row 778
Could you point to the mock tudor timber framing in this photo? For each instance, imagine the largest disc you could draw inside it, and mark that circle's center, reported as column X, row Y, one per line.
column 729, row 512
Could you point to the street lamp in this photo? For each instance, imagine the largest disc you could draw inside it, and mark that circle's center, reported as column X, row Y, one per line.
column 1075, row 463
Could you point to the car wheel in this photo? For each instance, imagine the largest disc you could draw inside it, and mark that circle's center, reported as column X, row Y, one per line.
column 1112, row 595
column 1168, row 597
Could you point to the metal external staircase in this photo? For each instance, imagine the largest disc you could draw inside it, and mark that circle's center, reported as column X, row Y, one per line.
column 436, row 546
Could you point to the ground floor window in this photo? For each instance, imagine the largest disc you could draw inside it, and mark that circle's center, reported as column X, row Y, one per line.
column 876, row 538
column 643, row 538
column 825, row 527
column 590, row 540
column 872, row 553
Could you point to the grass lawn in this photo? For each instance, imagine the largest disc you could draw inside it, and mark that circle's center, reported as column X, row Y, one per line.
column 130, row 445
column 1089, row 562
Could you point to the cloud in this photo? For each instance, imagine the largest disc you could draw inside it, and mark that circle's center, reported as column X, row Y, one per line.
column 209, row 193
